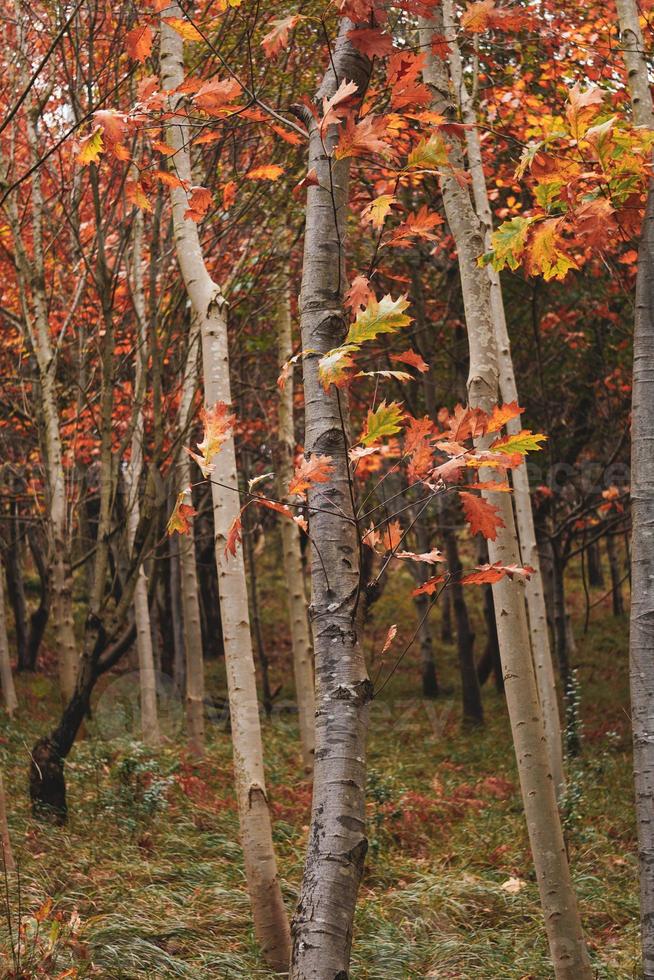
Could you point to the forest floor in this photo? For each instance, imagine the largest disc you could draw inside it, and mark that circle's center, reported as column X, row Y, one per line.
column 146, row 879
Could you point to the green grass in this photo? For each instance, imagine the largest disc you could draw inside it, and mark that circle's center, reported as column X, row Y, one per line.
column 146, row 879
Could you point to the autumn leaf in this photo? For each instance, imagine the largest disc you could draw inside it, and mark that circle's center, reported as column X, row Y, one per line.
column 481, row 516
column 181, row 515
column 277, row 38
column 386, row 420
column 418, row 225
column 391, row 535
column 428, row 557
column 385, row 316
column 183, row 27
column 508, row 244
column 390, row 636
column 333, row 108
column 371, row 41
column 316, row 469
column 229, row 194
column 582, row 108
column 412, row 358
column 218, row 423
column 363, row 137
column 544, row 254
column 309, row 180
column 234, row 536
column 199, row 201
column 90, row 147
column 114, row 124
column 359, row 294
column 136, row 195
column 138, row 42
column 429, row 154
column 375, row 213
column 489, row 574
column 430, row 586
column 213, row 96
column 523, row 442
column 269, row 172
column 475, row 18
column 333, row 367
column 503, row 414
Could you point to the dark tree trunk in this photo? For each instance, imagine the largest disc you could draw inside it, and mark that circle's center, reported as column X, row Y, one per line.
column 616, row 577
column 447, row 634
column 39, row 617
column 16, row 589
column 473, row 711
column 210, row 621
column 595, row 570
column 489, row 662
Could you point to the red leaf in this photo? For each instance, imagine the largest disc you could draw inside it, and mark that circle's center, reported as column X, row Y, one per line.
column 316, row 469
column 199, row 201
column 412, row 358
column 371, row 41
column 277, row 39
column 482, row 517
column 234, row 537
column 138, row 42
column 359, row 294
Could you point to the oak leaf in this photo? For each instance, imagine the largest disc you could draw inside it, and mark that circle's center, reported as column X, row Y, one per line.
column 385, row 316
column 316, row 469
column 386, row 420
column 481, row 516
column 178, row 521
column 277, row 38
column 138, row 42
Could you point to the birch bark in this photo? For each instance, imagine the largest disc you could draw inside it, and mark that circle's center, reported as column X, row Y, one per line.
column 539, row 635
column 322, row 927
column 209, row 307
column 567, row 946
column 292, row 555
column 147, row 674
column 641, row 640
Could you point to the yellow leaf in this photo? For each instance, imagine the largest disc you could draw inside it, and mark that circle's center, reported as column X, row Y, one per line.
column 544, row 254
column 376, row 211
column 385, row 316
column 91, row 147
column 187, row 30
column 270, row 172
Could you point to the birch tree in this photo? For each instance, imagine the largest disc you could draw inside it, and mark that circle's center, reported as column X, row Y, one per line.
column 6, row 676
column 322, row 927
column 210, row 309
column 534, row 592
column 641, row 639
column 567, row 946
column 292, row 555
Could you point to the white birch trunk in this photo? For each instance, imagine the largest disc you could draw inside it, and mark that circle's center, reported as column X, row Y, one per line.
column 270, row 920
column 147, row 673
column 567, row 946
column 6, row 676
column 188, row 573
column 293, row 571
column 641, row 640
column 540, row 641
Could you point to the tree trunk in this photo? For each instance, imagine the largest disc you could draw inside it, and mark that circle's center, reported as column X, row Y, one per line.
column 539, row 636
column 642, row 500
column 209, row 307
column 147, row 673
column 5, row 839
column 562, row 921
column 13, row 560
column 193, row 646
column 473, row 711
column 322, row 927
column 616, row 578
column 595, row 570
column 291, row 544
column 490, row 662
column 40, row 616
column 6, row 676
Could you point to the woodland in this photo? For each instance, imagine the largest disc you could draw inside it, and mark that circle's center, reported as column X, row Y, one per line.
column 327, row 489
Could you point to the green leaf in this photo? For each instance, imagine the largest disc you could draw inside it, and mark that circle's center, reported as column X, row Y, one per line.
column 387, row 316
column 385, row 421
column 509, row 243
column 523, row 442
column 429, row 154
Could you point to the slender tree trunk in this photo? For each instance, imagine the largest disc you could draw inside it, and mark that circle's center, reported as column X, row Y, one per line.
column 147, row 673
column 322, row 927
column 473, row 711
column 193, row 645
column 291, row 544
column 595, row 571
column 616, row 577
column 642, row 499
column 6, row 676
column 176, row 615
column 562, row 921
column 539, row 636
column 209, row 307
column 13, row 560
column 490, row 662
column 5, row 839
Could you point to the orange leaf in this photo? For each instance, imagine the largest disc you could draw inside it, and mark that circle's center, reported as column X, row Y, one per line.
column 138, row 42
column 503, row 414
column 199, row 201
column 181, row 515
column 316, row 469
column 482, row 517
column 390, row 636
column 269, row 172
column 412, row 358
column 489, row 574
column 430, row 586
column 277, row 38
column 234, row 536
